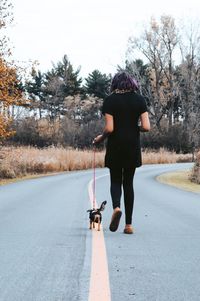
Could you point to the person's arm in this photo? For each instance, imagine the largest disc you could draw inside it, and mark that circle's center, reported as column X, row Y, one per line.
column 145, row 123
column 108, row 129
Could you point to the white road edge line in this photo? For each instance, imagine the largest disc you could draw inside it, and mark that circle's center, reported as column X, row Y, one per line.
column 99, row 278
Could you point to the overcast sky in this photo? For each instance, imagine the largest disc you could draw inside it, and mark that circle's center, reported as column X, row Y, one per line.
column 93, row 33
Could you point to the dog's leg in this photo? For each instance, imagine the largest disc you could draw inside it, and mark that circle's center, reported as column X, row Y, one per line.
column 90, row 225
column 93, row 225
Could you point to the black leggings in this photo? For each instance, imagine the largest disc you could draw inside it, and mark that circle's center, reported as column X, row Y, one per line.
column 123, row 177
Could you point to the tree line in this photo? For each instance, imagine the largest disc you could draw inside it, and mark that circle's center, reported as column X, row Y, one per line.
column 59, row 107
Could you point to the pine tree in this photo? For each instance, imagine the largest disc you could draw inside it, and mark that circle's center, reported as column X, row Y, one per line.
column 35, row 89
column 70, row 77
column 97, row 84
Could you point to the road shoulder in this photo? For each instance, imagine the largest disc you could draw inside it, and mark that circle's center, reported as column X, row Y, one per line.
column 179, row 179
column 28, row 177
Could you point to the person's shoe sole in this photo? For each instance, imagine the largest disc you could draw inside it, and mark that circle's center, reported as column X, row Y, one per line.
column 115, row 221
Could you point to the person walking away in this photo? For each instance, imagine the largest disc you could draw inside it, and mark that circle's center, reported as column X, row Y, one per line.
column 123, row 109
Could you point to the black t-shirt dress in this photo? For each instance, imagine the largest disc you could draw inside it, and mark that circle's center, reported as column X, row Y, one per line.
column 123, row 145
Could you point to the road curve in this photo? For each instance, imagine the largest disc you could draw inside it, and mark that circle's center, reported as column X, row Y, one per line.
column 46, row 247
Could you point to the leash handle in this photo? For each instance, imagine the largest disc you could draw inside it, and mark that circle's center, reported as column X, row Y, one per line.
column 94, row 177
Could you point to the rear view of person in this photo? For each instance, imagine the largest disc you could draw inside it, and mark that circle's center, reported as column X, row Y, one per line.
column 123, row 110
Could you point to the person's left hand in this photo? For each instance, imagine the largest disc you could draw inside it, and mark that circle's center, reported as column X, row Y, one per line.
column 98, row 139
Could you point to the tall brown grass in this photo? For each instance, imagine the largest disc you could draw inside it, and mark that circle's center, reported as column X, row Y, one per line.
column 164, row 156
column 22, row 161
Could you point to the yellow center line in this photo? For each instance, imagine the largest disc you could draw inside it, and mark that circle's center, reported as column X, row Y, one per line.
column 99, row 277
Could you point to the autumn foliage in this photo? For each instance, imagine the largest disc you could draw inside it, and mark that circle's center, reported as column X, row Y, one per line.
column 10, row 95
column 10, row 92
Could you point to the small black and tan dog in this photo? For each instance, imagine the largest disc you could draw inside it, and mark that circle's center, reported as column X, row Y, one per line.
column 95, row 215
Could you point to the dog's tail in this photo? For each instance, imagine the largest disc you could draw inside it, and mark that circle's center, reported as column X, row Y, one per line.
column 102, row 207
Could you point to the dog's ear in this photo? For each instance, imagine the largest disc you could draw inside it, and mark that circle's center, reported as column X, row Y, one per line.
column 103, row 206
column 89, row 210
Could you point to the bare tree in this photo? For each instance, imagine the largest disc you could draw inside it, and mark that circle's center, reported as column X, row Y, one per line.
column 189, row 83
column 157, row 44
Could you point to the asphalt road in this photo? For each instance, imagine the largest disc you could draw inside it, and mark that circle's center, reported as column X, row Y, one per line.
column 45, row 244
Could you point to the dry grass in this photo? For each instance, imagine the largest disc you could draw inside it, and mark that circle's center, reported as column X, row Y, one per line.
column 22, row 161
column 164, row 156
column 179, row 179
